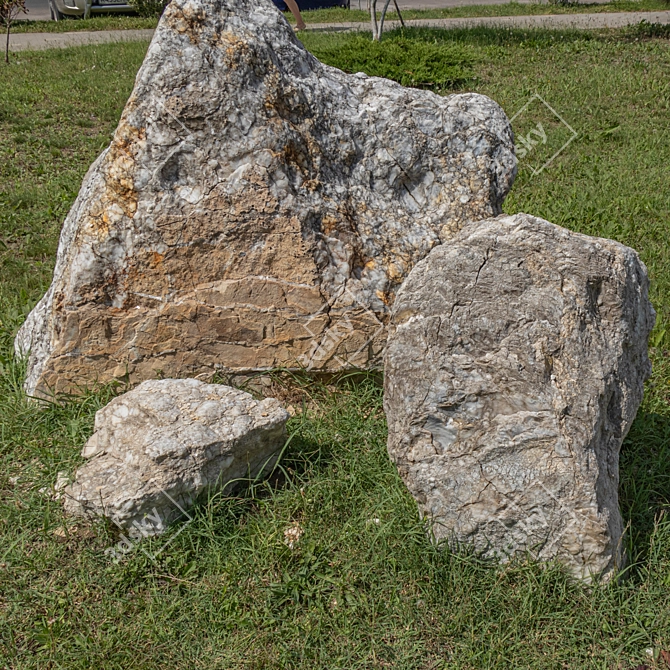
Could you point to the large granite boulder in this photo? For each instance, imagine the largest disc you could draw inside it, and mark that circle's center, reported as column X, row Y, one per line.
column 158, row 447
column 514, row 368
column 256, row 208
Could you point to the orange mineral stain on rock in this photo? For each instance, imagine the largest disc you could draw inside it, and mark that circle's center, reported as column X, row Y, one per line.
column 186, row 19
column 156, row 259
column 250, row 201
column 119, row 198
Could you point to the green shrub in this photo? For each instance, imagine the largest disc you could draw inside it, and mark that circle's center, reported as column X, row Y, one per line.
column 149, row 8
column 403, row 58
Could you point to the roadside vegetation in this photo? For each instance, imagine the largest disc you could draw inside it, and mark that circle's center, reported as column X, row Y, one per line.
column 95, row 23
column 355, row 15
column 362, row 587
column 512, row 8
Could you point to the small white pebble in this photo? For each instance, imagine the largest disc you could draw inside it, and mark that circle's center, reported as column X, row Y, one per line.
column 292, row 534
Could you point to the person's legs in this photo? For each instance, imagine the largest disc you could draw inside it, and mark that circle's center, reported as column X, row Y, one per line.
column 293, row 6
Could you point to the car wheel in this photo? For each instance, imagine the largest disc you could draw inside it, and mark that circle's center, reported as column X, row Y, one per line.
column 55, row 14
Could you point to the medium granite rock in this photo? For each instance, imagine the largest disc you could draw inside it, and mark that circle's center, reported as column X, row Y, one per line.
column 256, row 208
column 158, row 447
column 514, row 368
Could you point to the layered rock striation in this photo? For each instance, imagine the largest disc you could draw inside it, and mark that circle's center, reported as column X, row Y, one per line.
column 515, row 365
column 256, row 208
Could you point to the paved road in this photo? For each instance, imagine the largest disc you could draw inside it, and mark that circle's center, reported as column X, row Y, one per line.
column 41, row 41
column 22, row 41
column 441, row 4
column 38, row 10
column 584, row 21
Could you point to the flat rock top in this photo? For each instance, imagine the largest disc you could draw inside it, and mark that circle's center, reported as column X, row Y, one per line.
column 172, row 416
column 509, row 255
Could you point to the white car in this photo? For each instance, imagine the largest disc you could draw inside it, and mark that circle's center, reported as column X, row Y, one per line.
column 63, row 9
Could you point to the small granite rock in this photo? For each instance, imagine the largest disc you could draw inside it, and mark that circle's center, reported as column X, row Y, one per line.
column 256, row 208
column 158, row 447
column 514, row 368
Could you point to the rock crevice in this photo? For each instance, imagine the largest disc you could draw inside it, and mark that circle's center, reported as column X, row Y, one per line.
column 506, row 417
column 241, row 158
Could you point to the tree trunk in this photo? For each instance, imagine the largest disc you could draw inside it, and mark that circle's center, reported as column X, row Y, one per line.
column 373, row 19
column 402, row 23
column 381, row 22
column 9, row 23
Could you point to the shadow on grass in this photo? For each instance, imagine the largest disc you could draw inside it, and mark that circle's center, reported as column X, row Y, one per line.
column 644, row 489
column 337, row 438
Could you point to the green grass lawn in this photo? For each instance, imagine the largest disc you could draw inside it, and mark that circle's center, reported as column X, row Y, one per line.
column 363, row 588
column 341, row 15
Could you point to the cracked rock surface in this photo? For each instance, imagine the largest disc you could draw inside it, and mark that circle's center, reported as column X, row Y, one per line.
column 158, row 447
column 256, row 208
column 514, row 368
